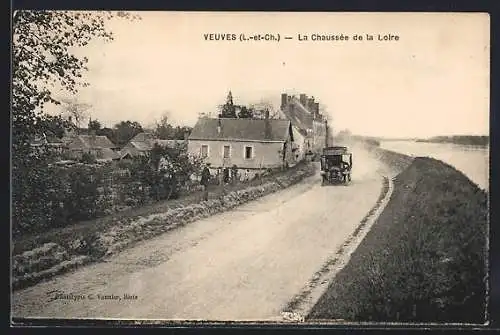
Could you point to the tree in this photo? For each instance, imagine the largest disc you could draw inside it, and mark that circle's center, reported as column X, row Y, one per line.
column 74, row 111
column 108, row 132
column 43, row 58
column 181, row 132
column 245, row 113
column 260, row 108
column 44, row 61
column 54, row 125
column 126, row 130
column 94, row 125
column 163, row 129
column 228, row 110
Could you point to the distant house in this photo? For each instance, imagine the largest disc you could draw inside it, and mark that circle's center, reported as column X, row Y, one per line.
column 48, row 141
column 306, row 119
column 98, row 146
column 247, row 143
column 144, row 142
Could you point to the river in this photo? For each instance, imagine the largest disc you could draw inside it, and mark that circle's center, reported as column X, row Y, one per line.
column 473, row 161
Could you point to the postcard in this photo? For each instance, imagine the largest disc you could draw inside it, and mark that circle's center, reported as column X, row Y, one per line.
column 250, row 167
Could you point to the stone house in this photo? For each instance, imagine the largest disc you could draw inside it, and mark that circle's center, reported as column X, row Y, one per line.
column 98, row 146
column 306, row 119
column 252, row 145
column 143, row 143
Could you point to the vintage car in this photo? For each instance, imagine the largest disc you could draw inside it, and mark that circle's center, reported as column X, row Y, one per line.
column 336, row 165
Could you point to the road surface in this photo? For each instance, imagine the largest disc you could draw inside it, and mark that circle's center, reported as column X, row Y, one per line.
column 245, row 264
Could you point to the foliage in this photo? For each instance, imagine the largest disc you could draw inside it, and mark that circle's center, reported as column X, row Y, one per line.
column 126, row 130
column 74, row 111
column 79, row 244
column 260, row 108
column 94, row 125
column 166, row 131
column 166, row 170
column 44, row 59
column 88, row 158
column 228, row 110
column 163, row 129
column 56, row 196
column 54, row 125
column 245, row 113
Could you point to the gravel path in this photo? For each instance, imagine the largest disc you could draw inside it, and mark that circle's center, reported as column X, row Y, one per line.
column 245, row 264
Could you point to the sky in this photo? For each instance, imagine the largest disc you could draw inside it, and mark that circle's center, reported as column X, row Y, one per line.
column 434, row 80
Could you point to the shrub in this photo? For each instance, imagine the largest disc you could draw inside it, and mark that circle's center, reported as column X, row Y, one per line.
column 88, row 158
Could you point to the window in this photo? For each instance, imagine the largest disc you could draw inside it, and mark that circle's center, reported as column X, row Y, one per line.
column 248, row 152
column 227, row 151
column 204, row 151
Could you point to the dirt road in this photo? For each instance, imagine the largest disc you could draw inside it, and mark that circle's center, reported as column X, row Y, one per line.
column 245, row 264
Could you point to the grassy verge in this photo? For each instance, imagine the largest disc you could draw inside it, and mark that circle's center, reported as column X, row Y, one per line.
column 59, row 250
column 424, row 260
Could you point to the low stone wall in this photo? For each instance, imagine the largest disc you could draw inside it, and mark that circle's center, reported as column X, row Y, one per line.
column 52, row 259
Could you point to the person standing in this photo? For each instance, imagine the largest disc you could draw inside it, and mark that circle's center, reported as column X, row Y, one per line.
column 234, row 174
column 205, row 180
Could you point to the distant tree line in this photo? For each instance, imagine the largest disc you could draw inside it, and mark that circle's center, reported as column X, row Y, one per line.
column 459, row 139
column 121, row 133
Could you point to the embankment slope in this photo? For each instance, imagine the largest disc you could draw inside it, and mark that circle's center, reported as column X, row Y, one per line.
column 424, row 260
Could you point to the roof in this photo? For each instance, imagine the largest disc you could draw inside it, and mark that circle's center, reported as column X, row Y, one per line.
column 141, row 146
column 169, row 143
column 143, row 137
column 94, row 141
column 299, row 116
column 241, row 129
column 336, row 150
column 46, row 139
column 148, row 144
column 107, row 154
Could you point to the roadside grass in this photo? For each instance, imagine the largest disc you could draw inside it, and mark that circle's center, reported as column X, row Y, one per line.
column 424, row 260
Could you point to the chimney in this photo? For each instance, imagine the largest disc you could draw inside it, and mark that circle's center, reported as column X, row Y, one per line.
column 310, row 103
column 283, row 100
column 267, row 125
column 219, row 126
column 303, row 99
